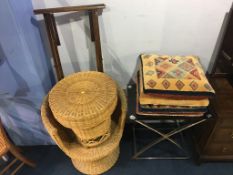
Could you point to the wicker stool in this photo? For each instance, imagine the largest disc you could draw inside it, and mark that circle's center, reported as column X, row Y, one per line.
column 84, row 102
column 97, row 167
column 94, row 160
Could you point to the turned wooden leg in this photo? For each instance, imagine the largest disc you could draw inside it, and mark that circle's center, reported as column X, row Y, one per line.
column 13, row 149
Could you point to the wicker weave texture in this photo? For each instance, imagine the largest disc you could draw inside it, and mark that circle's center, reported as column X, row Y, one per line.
column 99, row 128
column 83, row 99
column 3, row 143
column 96, row 135
column 98, row 166
column 66, row 140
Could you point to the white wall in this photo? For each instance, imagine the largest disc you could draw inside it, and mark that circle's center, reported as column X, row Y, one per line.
column 128, row 28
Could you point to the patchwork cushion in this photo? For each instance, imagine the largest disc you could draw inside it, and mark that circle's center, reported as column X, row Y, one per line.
column 146, row 99
column 140, row 111
column 148, row 112
column 174, row 75
column 167, row 108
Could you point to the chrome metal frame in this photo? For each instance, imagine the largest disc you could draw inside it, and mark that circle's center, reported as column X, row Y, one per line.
column 164, row 136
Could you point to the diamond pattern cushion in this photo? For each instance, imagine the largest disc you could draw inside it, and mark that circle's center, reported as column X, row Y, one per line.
column 174, row 75
column 146, row 99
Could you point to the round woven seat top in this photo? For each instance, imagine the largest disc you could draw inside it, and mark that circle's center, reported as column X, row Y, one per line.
column 82, row 96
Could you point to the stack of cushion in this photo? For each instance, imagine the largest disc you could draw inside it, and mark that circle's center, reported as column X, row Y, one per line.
column 172, row 86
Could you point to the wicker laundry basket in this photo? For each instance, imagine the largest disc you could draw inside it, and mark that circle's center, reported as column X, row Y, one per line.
column 84, row 102
column 94, row 160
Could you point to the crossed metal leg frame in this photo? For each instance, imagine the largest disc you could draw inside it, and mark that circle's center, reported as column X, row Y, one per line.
column 164, row 136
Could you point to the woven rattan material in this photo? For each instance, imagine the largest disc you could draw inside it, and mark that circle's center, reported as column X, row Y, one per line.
column 95, row 135
column 82, row 130
column 84, row 102
column 66, row 141
column 103, row 131
column 3, row 144
column 99, row 166
column 98, row 130
column 82, row 98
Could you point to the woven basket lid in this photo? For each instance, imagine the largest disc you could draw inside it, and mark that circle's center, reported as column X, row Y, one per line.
column 72, row 148
column 83, row 98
